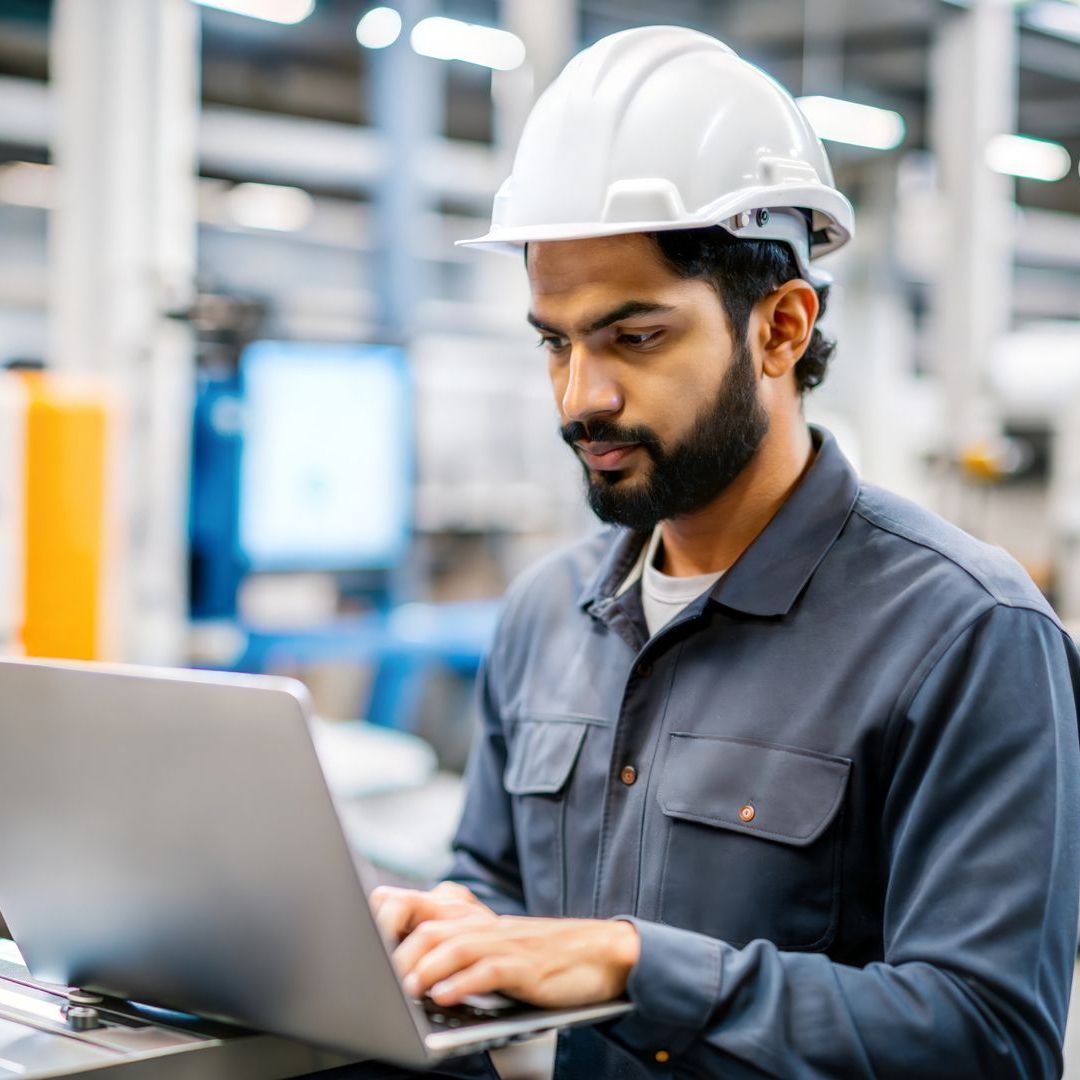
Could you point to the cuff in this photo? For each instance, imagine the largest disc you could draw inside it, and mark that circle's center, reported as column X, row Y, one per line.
column 674, row 988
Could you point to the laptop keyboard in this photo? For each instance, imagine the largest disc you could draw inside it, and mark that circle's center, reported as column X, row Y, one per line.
column 476, row 1009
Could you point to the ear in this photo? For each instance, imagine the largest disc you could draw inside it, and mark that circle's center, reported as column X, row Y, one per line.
column 784, row 323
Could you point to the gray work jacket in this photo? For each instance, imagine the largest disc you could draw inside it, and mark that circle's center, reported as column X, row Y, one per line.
column 838, row 796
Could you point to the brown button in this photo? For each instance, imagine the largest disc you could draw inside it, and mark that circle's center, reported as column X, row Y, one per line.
column 628, row 775
column 747, row 813
column 644, row 669
column 662, row 1056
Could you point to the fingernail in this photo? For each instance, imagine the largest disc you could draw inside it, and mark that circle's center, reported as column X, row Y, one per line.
column 412, row 985
column 439, row 989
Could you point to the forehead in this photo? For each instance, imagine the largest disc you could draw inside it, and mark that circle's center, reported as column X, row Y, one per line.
column 626, row 265
column 574, row 282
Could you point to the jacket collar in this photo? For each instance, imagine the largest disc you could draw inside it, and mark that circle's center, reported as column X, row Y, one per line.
column 769, row 576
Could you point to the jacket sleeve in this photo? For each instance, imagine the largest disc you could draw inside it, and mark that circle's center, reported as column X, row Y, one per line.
column 982, row 868
column 485, row 851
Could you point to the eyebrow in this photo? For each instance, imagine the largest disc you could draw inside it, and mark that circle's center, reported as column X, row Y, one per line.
column 629, row 310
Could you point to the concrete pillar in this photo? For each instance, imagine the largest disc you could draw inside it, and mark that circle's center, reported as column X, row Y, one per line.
column 122, row 257
column 973, row 70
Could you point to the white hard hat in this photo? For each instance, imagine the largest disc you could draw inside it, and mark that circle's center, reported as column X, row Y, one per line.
column 663, row 127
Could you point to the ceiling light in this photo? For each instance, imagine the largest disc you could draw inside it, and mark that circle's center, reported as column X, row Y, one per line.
column 270, row 206
column 1036, row 159
column 450, row 39
column 849, row 122
column 380, row 27
column 286, row 12
column 27, row 183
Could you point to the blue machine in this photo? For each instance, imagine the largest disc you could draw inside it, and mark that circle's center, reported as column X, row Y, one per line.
column 216, row 565
column 304, row 460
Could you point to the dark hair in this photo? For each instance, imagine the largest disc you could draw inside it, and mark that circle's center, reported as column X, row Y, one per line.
column 743, row 272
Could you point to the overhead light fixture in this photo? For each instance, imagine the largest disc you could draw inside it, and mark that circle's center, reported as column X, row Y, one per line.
column 849, row 122
column 379, row 28
column 285, row 12
column 1053, row 17
column 28, row 183
column 451, row 39
column 270, row 206
column 1035, row 159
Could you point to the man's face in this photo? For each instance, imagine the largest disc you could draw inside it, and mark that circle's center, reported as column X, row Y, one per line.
column 658, row 401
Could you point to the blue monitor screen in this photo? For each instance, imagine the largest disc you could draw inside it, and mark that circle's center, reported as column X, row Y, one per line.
column 326, row 466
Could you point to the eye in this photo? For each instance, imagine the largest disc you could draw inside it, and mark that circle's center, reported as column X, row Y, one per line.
column 550, row 342
column 638, row 341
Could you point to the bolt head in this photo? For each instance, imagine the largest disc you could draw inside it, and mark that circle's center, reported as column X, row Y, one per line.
column 82, row 1018
column 83, row 997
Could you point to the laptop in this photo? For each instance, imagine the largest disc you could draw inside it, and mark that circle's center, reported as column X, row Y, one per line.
column 167, row 836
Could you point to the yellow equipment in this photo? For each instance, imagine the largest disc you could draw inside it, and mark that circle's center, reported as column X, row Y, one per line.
column 67, row 602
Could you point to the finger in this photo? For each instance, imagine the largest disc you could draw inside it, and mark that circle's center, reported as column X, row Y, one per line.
column 381, row 893
column 445, row 959
column 459, row 899
column 427, row 936
column 454, row 890
column 398, row 915
column 486, row 976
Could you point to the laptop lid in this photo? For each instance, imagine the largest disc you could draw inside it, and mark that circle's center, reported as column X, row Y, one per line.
column 167, row 836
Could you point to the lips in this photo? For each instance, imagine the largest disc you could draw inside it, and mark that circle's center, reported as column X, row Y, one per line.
column 604, row 457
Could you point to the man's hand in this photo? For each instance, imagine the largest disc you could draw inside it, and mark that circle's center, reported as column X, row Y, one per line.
column 551, row 963
column 399, row 911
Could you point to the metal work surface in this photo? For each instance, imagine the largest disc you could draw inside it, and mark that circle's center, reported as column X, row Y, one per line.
column 45, row 1031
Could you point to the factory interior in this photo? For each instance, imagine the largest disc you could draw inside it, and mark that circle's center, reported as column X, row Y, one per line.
column 261, row 414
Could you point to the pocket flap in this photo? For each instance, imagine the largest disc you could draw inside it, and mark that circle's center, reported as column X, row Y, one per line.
column 778, row 792
column 542, row 756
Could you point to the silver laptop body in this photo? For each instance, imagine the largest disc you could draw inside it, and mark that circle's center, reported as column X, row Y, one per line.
column 168, row 837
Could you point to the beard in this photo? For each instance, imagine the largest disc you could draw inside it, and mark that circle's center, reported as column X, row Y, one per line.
column 686, row 477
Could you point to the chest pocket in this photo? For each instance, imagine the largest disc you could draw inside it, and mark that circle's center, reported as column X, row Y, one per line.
column 753, row 840
column 540, row 760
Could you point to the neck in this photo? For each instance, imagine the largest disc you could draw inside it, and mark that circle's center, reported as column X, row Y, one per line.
column 713, row 538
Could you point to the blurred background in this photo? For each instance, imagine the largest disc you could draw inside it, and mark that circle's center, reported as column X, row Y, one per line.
column 260, row 414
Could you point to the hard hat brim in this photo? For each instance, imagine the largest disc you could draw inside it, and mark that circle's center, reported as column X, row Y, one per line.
column 832, row 210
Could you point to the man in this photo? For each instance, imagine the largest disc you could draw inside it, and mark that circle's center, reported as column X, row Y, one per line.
column 787, row 760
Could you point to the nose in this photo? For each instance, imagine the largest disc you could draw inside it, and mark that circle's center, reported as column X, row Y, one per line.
column 590, row 389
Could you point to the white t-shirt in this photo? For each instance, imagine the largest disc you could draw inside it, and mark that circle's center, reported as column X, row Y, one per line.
column 662, row 596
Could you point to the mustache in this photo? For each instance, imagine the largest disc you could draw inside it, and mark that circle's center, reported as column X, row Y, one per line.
column 608, row 431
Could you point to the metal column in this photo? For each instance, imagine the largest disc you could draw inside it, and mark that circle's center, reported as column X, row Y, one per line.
column 974, row 67
column 122, row 256
column 407, row 94
column 550, row 33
